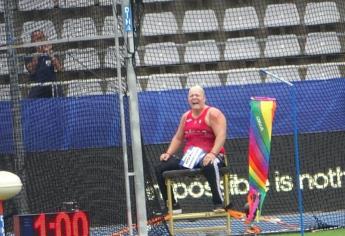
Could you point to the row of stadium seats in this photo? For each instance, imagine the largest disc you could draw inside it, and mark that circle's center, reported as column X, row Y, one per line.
column 157, row 82
column 72, row 28
column 243, row 18
column 242, row 48
column 203, row 51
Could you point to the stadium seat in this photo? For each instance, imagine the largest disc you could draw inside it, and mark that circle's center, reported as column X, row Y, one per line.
column 5, row 94
column 108, row 2
column 79, row 27
column 201, row 51
column 110, row 58
column 161, row 54
column 3, row 64
column 157, row 0
column 75, row 3
column 109, row 26
column 2, row 34
column 241, row 18
column 282, row 46
column 2, row 6
column 44, row 25
column 322, row 43
column 317, row 13
column 200, row 21
column 207, row 79
column 281, row 15
column 322, row 72
column 79, row 88
column 81, row 59
column 113, row 88
column 289, row 73
column 241, row 48
column 29, row 5
column 243, row 76
column 159, row 24
column 158, row 82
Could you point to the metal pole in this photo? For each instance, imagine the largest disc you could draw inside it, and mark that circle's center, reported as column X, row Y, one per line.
column 21, row 199
column 123, row 124
column 134, row 122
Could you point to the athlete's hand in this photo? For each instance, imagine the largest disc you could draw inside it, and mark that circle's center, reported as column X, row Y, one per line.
column 164, row 156
column 209, row 159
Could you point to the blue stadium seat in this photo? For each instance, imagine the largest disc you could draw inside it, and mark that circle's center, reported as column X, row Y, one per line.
column 322, row 72
column 322, row 43
column 289, row 73
column 159, row 24
column 46, row 26
column 3, row 64
column 161, row 54
column 5, row 94
column 158, row 82
column 240, row 18
column 78, row 88
column 243, row 76
column 29, row 5
column 81, row 59
column 281, row 15
column 201, row 51
column 199, row 21
column 241, row 48
column 282, row 46
column 205, row 79
column 321, row 13
column 109, row 26
column 75, row 3
column 78, row 27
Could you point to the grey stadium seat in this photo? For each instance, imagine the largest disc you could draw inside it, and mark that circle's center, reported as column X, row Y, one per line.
column 109, row 26
column 289, row 73
column 199, row 21
column 2, row 34
column 240, row 18
column 108, row 2
column 110, row 58
column 207, row 79
column 75, row 3
column 322, row 72
column 201, row 51
column 29, row 5
column 44, row 25
column 79, row 27
column 161, row 54
column 243, row 76
column 2, row 6
column 3, row 64
column 157, row 0
column 322, row 43
column 281, row 15
column 282, row 45
column 159, row 24
column 79, row 88
column 321, row 13
column 81, row 59
column 241, row 48
column 5, row 94
column 158, row 82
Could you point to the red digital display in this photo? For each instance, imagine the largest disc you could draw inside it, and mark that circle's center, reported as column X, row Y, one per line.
column 53, row 224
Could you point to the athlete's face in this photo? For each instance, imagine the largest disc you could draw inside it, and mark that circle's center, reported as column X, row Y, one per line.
column 196, row 98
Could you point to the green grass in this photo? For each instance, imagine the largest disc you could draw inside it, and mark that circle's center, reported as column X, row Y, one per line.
column 335, row 232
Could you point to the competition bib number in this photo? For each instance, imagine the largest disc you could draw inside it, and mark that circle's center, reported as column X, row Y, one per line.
column 192, row 157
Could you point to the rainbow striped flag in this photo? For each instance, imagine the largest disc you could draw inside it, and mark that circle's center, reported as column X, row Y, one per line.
column 261, row 120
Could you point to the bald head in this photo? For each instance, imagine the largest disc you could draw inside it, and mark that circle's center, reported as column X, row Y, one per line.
column 196, row 97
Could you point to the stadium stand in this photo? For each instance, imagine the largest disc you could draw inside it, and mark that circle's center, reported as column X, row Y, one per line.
column 158, row 82
column 2, row 34
column 3, row 64
column 78, row 27
column 200, row 21
column 243, row 76
column 80, row 88
column 29, row 5
column 322, row 72
column 205, row 79
column 322, row 43
column 282, row 46
column 46, row 26
column 81, row 59
column 110, row 60
column 289, row 73
column 75, row 3
column 109, row 26
column 5, row 92
column 237, row 49
column 161, row 54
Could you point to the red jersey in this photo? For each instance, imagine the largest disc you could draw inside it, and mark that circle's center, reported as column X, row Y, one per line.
column 197, row 133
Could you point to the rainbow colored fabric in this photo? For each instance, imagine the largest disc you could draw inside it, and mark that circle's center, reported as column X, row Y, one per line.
column 261, row 120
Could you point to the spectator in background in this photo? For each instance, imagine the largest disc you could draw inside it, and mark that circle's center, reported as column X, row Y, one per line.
column 202, row 130
column 42, row 67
